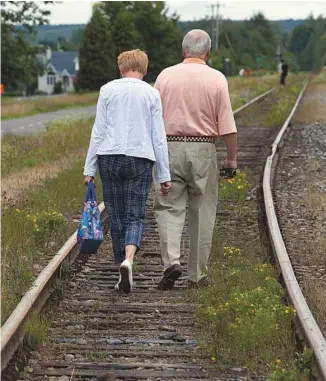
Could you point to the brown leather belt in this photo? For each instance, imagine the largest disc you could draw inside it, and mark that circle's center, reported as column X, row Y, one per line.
column 194, row 139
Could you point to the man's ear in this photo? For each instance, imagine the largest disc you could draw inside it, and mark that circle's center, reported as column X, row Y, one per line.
column 184, row 55
column 208, row 54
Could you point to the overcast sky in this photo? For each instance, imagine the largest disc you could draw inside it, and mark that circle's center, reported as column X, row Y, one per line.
column 79, row 12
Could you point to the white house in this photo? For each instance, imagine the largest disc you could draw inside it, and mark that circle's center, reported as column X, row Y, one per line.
column 59, row 66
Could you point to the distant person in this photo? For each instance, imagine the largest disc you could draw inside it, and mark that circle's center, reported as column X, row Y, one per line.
column 196, row 110
column 248, row 72
column 242, row 72
column 284, row 72
column 128, row 136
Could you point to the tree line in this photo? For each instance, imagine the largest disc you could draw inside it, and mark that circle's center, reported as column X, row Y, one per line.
column 116, row 26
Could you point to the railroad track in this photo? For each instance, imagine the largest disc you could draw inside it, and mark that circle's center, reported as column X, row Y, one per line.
column 150, row 334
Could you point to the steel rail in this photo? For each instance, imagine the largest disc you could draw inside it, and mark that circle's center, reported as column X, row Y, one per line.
column 13, row 331
column 309, row 325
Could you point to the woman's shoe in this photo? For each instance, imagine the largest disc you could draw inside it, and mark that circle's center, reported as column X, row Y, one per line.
column 118, row 286
column 125, row 284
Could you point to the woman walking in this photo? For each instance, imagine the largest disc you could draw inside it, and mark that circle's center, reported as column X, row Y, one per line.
column 128, row 136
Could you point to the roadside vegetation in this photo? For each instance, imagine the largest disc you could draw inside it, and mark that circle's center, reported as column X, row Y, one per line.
column 35, row 227
column 13, row 108
column 280, row 104
column 245, row 319
column 60, row 138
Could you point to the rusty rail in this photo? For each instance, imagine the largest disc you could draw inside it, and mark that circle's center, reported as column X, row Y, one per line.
column 309, row 325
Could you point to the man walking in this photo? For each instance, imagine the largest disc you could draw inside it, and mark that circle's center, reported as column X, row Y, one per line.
column 284, row 72
column 196, row 110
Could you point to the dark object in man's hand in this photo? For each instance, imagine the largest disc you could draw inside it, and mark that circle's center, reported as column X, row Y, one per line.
column 228, row 173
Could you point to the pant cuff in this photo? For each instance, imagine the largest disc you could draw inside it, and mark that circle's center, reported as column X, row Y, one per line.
column 175, row 262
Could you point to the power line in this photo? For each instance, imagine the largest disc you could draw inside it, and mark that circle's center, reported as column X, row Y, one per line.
column 215, row 24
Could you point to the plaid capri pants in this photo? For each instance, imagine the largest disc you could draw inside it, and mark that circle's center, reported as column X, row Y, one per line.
column 126, row 182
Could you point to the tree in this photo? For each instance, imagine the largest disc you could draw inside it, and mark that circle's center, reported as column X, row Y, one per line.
column 117, row 26
column 161, row 37
column 96, row 53
column 20, row 65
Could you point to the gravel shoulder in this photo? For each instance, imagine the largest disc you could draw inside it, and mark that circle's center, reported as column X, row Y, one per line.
column 300, row 194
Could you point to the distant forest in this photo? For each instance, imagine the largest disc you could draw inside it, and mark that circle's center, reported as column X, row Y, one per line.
column 250, row 43
column 69, row 32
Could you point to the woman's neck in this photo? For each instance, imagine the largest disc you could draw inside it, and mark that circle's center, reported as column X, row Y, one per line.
column 132, row 74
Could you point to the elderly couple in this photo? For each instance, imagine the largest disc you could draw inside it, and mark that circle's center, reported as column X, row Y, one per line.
column 189, row 107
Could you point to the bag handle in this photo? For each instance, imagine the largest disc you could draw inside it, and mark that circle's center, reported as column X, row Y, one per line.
column 91, row 195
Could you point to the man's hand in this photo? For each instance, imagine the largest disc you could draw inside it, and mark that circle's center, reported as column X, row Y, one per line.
column 229, row 164
column 88, row 179
column 165, row 187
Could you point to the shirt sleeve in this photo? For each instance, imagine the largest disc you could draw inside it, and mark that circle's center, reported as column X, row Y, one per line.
column 225, row 119
column 160, row 146
column 97, row 136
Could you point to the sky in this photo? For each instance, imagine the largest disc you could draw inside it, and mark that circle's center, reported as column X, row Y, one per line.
column 79, row 12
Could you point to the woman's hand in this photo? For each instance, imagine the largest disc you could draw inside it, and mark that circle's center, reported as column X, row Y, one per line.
column 88, row 179
column 165, row 187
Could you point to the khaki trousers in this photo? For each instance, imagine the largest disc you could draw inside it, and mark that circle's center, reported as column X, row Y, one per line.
column 194, row 176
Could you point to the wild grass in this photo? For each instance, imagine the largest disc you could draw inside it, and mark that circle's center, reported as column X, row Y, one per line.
column 61, row 138
column 312, row 107
column 35, row 228
column 275, row 110
column 13, row 108
column 244, row 317
column 242, row 90
column 281, row 108
column 36, row 329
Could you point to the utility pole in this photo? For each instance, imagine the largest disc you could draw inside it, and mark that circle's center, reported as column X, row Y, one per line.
column 215, row 25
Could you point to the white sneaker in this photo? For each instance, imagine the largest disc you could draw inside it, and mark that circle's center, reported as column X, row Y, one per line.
column 126, row 276
column 117, row 287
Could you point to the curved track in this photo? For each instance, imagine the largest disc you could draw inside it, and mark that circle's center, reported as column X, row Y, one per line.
column 308, row 324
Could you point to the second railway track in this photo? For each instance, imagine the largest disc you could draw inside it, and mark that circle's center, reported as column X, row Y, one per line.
column 150, row 334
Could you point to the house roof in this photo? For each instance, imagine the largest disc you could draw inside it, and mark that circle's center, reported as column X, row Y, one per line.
column 64, row 60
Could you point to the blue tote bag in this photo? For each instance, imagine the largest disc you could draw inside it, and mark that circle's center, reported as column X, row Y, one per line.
column 90, row 229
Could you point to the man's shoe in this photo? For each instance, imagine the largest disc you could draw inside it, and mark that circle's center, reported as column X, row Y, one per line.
column 126, row 277
column 202, row 283
column 170, row 276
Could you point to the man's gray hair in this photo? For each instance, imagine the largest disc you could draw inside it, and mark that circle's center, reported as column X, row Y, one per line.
column 196, row 43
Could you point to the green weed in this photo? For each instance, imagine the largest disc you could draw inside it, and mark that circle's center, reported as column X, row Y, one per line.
column 37, row 227
column 236, row 188
column 36, row 329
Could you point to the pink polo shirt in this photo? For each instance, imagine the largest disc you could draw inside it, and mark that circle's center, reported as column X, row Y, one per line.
column 195, row 100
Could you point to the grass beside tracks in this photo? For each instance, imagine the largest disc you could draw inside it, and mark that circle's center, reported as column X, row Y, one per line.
column 278, row 106
column 61, row 138
column 244, row 317
column 35, row 228
column 13, row 108
column 242, row 89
